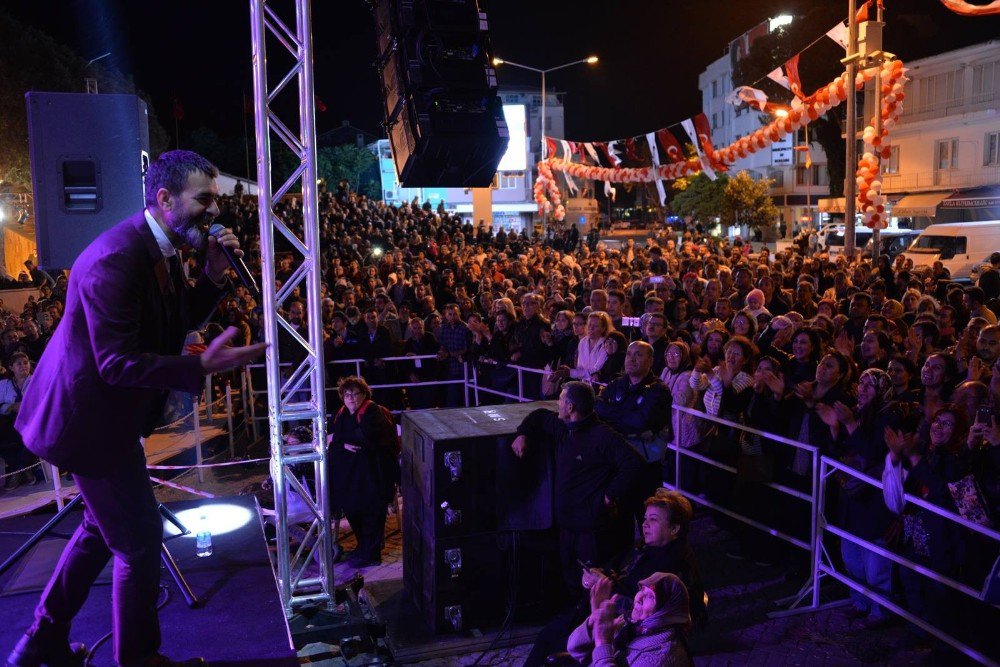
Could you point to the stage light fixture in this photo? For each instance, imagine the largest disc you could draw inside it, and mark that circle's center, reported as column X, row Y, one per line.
column 216, row 518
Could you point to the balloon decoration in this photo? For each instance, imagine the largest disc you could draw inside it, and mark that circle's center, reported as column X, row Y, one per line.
column 870, row 199
column 969, row 9
column 871, row 202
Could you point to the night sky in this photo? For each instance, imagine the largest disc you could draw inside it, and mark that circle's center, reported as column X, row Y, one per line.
column 651, row 51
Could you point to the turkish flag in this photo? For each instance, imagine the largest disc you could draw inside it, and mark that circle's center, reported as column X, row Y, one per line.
column 320, row 107
column 178, row 111
column 671, row 147
column 792, row 72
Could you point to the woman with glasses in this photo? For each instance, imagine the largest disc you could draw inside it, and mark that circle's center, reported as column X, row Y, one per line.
column 363, row 462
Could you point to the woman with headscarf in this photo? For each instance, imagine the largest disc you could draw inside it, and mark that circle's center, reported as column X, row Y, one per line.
column 861, row 510
column 653, row 634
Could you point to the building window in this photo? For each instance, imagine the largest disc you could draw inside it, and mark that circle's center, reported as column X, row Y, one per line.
column 715, row 88
column 938, row 91
column 985, row 78
column 715, row 120
column 891, row 166
column 946, row 154
column 815, row 175
column 510, row 180
column 991, row 148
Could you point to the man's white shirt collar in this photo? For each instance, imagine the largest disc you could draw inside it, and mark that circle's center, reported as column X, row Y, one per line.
column 166, row 247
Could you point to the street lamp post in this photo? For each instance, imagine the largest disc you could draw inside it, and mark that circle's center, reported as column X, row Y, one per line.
column 590, row 60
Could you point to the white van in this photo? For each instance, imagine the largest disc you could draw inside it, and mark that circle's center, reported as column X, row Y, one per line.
column 959, row 246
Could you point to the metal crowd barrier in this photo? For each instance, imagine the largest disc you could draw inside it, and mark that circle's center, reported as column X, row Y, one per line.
column 821, row 469
column 251, row 391
column 224, row 402
column 809, row 498
column 823, row 564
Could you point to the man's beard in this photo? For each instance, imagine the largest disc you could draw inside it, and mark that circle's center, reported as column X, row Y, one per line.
column 193, row 232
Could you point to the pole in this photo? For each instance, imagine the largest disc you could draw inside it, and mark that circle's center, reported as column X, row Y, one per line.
column 851, row 130
column 809, row 210
column 541, row 149
column 208, row 398
column 229, row 421
column 876, row 233
column 199, row 458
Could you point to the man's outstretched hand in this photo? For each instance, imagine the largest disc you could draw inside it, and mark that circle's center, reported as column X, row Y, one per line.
column 219, row 357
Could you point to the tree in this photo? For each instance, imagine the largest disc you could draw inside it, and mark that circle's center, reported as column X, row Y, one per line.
column 32, row 60
column 747, row 202
column 819, row 65
column 351, row 163
column 702, row 199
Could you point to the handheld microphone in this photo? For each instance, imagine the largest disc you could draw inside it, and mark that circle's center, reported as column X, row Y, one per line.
column 239, row 266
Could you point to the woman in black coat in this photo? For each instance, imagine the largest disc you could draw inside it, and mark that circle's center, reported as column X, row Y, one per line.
column 363, row 464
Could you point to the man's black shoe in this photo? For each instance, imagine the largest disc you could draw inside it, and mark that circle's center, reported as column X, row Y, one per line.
column 32, row 652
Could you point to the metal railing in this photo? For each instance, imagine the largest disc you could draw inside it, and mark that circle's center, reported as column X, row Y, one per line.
column 810, row 497
column 823, row 564
column 224, row 403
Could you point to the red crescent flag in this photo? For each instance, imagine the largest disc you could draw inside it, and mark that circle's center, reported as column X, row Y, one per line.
column 551, row 147
column 792, row 72
column 671, row 147
column 704, row 131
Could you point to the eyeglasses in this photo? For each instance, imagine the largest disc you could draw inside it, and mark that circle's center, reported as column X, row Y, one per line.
column 940, row 421
column 354, row 394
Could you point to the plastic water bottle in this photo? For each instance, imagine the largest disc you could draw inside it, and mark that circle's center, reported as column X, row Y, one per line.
column 203, row 540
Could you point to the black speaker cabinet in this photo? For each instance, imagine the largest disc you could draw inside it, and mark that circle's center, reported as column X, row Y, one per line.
column 89, row 154
column 443, row 116
column 462, row 562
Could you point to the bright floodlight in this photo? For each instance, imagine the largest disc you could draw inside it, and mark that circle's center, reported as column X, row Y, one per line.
column 376, row 251
column 781, row 113
column 778, row 21
column 217, row 519
column 591, row 60
column 497, row 61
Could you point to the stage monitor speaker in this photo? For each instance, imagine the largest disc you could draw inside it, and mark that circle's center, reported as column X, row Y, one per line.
column 443, row 115
column 89, row 155
column 474, row 536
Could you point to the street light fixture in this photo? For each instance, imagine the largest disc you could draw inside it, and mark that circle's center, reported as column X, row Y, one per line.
column 589, row 60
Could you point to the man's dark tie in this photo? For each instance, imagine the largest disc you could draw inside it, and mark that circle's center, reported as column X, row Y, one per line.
column 176, row 275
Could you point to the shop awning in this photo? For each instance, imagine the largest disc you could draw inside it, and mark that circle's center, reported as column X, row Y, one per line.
column 923, row 205
column 985, row 197
column 832, row 205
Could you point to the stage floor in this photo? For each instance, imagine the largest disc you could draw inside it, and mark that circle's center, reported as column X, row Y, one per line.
column 241, row 621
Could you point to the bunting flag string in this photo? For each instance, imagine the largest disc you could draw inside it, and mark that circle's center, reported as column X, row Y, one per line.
column 877, row 147
column 651, row 140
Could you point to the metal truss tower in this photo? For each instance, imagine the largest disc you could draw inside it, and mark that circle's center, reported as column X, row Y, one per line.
column 295, row 391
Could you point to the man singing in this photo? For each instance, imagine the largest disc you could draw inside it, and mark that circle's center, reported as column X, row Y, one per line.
column 102, row 383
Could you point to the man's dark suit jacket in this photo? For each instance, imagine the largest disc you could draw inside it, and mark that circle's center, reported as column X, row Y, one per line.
column 104, row 377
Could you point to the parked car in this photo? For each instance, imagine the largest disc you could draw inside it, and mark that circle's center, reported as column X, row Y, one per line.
column 891, row 242
column 834, row 242
column 959, row 246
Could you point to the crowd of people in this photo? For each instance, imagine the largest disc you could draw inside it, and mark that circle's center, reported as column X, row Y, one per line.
column 892, row 369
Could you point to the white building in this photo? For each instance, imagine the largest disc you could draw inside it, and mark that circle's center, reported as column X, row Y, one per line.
column 796, row 190
column 945, row 163
column 514, row 206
